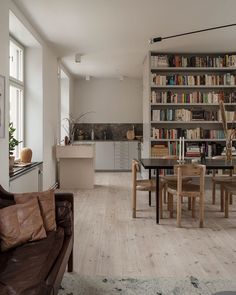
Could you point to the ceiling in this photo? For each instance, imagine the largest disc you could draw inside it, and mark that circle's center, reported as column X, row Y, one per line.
column 112, row 35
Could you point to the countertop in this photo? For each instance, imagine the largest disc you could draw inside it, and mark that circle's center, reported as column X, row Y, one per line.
column 104, row 140
column 18, row 171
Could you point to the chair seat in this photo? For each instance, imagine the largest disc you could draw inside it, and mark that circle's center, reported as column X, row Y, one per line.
column 223, row 179
column 145, row 185
column 230, row 187
column 189, row 189
column 173, row 178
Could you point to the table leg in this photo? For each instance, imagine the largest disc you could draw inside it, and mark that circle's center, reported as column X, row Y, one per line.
column 157, row 195
column 150, row 193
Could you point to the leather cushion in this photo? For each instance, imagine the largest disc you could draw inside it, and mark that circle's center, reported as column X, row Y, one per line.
column 46, row 203
column 25, row 269
column 20, row 223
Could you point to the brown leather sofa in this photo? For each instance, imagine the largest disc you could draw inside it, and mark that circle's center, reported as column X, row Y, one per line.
column 37, row 268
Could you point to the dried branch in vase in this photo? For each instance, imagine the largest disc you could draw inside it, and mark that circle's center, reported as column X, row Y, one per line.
column 228, row 131
column 71, row 128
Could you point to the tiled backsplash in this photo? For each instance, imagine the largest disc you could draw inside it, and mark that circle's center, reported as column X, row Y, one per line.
column 107, row 131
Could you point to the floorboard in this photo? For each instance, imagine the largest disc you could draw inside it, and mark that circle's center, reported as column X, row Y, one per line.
column 108, row 242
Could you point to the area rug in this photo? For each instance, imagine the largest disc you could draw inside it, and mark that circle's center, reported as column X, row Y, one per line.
column 73, row 284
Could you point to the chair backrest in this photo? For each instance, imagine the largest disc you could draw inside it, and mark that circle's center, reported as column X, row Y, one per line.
column 190, row 170
column 135, row 170
column 135, row 165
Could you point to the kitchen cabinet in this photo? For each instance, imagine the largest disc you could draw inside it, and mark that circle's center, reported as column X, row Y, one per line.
column 116, row 155
column 121, row 155
column 27, row 181
column 104, row 155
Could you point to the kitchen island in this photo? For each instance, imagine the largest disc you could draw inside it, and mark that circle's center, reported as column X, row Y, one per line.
column 76, row 165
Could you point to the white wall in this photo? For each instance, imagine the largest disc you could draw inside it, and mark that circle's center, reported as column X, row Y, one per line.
column 4, row 59
column 33, row 111
column 50, row 116
column 114, row 101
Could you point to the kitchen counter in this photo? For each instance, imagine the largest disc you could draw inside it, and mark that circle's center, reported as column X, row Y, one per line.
column 76, row 165
column 18, row 171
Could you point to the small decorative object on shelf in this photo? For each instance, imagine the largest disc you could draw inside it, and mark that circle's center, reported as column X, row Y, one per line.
column 66, row 140
column 26, row 155
column 202, row 153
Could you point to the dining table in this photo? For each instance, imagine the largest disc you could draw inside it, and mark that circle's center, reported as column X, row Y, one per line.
column 157, row 164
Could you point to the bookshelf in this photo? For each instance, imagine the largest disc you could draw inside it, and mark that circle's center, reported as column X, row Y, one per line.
column 181, row 92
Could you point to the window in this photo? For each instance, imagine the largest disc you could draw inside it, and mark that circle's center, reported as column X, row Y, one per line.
column 16, row 61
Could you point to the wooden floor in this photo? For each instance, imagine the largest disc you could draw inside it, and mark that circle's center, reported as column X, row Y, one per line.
column 108, row 242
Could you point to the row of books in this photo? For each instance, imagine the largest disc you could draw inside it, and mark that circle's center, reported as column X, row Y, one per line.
column 195, row 133
column 193, row 80
column 171, row 115
column 193, row 97
column 186, row 115
column 191, row 149
column 160, row 150
column 230, row 116
column 228, row 60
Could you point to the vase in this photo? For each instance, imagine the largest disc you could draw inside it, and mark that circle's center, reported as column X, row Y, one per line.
column 11, row 162
column 26, row 155
column 229, row 150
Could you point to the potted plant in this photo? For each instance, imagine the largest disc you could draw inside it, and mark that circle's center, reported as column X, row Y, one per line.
column 13, row 142
column 71, row 127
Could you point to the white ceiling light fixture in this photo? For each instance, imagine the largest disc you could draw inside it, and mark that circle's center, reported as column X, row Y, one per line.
column 78, row 57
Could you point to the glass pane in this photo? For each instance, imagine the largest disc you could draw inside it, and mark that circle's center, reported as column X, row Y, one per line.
column 16, row 115
column 16, row 61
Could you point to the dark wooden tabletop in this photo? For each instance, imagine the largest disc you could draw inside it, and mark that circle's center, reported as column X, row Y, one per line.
column 169, row 163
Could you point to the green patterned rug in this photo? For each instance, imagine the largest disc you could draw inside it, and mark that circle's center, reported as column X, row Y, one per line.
column 73, row 284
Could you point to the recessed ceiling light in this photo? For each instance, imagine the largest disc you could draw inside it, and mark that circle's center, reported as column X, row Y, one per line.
column 78, row 57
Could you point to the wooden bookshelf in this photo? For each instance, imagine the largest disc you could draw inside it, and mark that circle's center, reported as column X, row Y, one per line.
column 193, row 86
column 209, row 95
column 192, row 69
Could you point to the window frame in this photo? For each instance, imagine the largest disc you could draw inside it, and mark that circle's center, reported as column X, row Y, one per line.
column 17, row 83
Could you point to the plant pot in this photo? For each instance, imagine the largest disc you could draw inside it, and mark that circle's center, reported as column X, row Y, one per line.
column 11, row 162
column 229, row 150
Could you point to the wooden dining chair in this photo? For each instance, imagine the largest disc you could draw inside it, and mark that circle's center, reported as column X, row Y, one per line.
column 171, row 178
column 229, row 190
column 190, row 190
column 220, row 180
column 143, row 185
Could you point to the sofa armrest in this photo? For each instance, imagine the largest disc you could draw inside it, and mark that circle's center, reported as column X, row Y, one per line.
column 65, row 212
column 6, row 198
